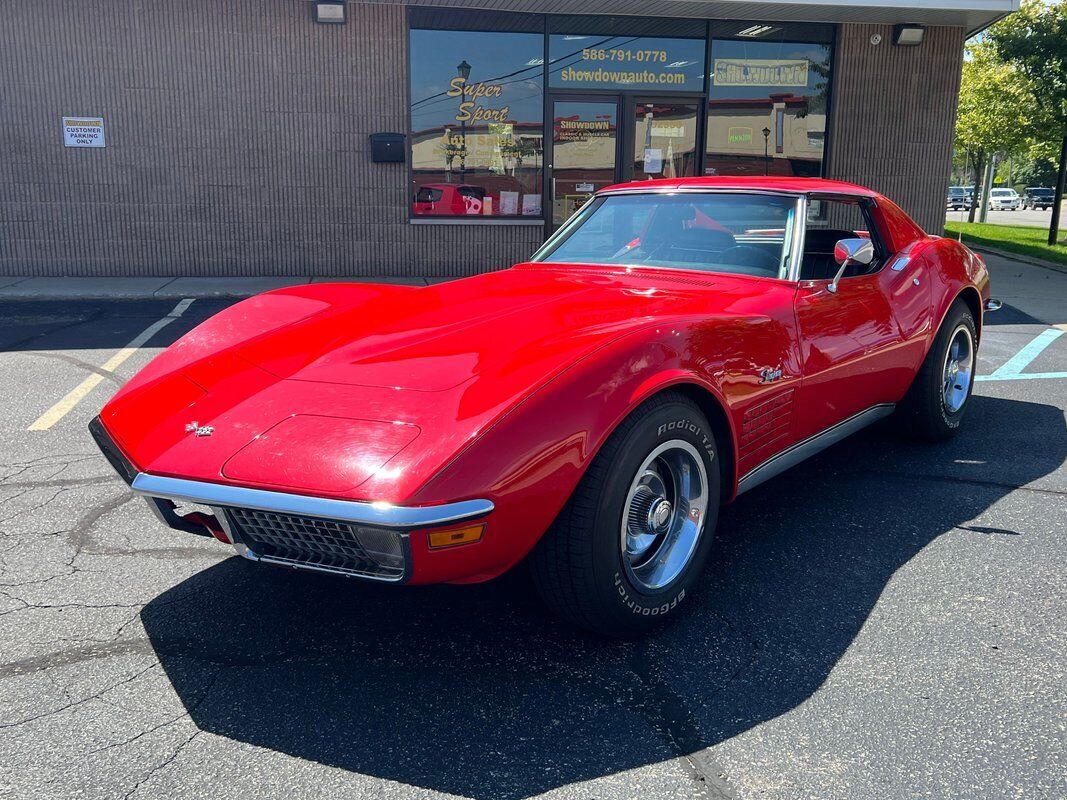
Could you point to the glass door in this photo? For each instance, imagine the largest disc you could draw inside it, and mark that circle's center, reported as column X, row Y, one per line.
column 665, row 138
column 585, row 152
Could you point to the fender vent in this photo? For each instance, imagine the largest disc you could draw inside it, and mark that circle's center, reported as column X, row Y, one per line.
column 765, row 426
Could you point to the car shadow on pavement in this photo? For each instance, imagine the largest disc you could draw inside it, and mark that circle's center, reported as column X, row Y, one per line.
column 1009, row 315
column 475, row 691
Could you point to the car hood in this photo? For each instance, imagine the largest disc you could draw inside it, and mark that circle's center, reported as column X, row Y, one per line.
column 364, row 391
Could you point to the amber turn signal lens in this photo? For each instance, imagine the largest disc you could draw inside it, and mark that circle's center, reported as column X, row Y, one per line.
column 455, row 536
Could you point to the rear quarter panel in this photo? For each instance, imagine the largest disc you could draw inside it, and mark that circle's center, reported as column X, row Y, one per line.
column 955, row 271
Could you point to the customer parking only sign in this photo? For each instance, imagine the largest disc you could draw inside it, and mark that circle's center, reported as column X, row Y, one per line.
column 83, row 131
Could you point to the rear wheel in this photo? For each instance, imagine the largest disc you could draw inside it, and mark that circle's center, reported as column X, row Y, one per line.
column 626, row 551
column 939, row 396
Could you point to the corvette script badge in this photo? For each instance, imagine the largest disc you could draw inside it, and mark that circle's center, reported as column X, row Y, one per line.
column 195, row 429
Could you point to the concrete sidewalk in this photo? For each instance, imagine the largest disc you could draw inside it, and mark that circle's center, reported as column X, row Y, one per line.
column 15, row 288
column 1013, row 279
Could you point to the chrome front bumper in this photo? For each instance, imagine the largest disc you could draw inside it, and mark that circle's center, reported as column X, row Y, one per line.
column 345, row 537
column 379, row 514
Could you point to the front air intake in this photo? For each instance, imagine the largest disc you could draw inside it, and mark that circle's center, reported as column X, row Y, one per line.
column 320, row 544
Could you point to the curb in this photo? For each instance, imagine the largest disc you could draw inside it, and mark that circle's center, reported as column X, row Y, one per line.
column 173, row 288
column 1036, row 262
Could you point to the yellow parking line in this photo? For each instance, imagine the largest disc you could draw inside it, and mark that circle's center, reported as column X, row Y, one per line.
column 78, row 393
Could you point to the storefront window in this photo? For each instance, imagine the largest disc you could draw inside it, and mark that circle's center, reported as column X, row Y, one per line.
column 477, row 123
column 625, row 62
column 767, row 105
column 665, row 140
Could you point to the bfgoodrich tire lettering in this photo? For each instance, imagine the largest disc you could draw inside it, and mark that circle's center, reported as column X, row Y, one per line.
column 603, row 574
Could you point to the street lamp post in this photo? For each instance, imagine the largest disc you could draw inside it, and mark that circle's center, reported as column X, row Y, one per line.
column 465, row 73
column 766, row 152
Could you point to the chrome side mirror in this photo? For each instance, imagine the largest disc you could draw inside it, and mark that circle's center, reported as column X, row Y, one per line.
column 851, row 251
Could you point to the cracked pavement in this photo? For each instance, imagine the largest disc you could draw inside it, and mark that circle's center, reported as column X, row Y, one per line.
column 885, row 620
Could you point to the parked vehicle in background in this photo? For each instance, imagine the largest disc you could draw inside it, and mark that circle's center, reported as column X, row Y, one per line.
column 1036, row 197
column 449, row 199
column 958, row 199
column 1003, row 200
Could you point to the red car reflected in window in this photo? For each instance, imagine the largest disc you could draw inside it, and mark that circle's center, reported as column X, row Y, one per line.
column 449, row 199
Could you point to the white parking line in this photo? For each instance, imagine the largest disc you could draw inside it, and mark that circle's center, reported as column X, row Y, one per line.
column 1012, row 369
column 78, row 393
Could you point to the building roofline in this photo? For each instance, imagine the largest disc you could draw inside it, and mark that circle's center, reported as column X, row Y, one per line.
column 971, row 15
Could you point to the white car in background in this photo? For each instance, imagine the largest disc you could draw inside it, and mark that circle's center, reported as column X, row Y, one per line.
column 1004, row 200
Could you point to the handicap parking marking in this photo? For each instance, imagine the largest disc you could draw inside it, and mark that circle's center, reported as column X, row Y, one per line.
column 1012, row 369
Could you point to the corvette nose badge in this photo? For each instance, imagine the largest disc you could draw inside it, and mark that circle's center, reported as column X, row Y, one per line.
column 195, row 429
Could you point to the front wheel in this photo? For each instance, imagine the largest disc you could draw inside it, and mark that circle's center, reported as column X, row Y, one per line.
column 627, row 549
column 938, row 397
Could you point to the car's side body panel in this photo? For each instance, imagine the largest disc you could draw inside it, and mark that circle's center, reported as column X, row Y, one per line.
column 854, row 355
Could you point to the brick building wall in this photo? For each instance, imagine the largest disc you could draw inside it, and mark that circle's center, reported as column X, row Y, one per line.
column 237, row 140
column 236, row 145
column 894, row 114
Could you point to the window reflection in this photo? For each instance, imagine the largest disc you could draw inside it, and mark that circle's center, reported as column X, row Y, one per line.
column 665, row 142
column 477, row 119
column 767, row 108
column 584, row 143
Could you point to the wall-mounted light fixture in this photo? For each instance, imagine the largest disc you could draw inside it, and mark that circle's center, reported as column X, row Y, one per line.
column 332, row 12
column 908, row 35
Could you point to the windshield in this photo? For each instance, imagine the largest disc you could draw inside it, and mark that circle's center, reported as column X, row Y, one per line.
column 1040, row 192
column 956, row 191
column 713, row 232
column 1003, row 192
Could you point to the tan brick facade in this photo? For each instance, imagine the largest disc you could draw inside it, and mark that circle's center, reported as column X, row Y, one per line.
column 237, row 141
column 894, row 112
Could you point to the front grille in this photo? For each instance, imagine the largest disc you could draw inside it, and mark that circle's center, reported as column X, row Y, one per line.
column 321, row 544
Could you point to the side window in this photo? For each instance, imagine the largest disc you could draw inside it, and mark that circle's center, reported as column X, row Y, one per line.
column 428, row 195
column 829, row 221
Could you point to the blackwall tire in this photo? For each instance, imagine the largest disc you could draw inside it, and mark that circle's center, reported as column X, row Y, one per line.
column 625, row 553
column 937, row 401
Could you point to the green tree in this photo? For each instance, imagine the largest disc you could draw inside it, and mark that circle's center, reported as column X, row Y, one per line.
column 1034, row 41
column 993, row 114
column 1037, row 171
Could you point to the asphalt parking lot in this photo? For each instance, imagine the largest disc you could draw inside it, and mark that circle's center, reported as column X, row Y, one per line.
column 884, row 621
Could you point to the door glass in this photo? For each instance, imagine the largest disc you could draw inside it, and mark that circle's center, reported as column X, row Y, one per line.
column 584, row 137
column 665, row 140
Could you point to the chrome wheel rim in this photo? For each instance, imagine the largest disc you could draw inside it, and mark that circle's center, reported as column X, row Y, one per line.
column 958, row 369
column 663, row 516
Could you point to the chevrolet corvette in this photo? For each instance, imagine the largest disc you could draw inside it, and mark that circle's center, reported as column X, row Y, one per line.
column 675, row 343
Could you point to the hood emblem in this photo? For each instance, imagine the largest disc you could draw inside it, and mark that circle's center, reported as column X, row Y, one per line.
column 196, row 429
column 767, row 375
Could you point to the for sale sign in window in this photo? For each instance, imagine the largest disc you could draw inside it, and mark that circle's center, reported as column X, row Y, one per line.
column 83, row 131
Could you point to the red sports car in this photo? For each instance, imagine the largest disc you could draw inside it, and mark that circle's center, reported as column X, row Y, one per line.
column 675, row 343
